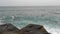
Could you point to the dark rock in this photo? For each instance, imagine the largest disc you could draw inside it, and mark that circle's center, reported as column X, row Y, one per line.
column 10, row 32
column 29, row 29
column 6, row 28
column 34, row 29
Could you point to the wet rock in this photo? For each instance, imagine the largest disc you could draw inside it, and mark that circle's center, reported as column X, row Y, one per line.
column 33, row 29
column 10, row 32
column 8, row 28
column 29, row 29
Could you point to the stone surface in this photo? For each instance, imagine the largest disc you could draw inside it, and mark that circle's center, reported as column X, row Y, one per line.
column 29, row 29
column 34, row 29
column 8, row 28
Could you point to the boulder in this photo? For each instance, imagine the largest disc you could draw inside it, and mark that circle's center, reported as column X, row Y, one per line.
column 8, row 28
column 33, row 29
column 29, row 29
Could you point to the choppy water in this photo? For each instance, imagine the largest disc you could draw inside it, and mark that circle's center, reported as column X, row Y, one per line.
column 21, row 16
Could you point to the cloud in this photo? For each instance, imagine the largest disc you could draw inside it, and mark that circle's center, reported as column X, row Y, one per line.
column 28, row 2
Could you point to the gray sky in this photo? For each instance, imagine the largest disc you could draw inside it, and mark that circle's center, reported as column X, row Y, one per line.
column 29, row 2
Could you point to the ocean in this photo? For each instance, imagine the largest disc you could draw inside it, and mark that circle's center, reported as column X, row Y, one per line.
column 20, row 16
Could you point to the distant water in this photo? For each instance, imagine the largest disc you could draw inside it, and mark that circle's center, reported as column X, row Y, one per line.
column 48, row 16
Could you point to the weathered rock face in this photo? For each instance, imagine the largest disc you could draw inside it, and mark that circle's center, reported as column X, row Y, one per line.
column 8, row 28
column 10, row 32
column 29, row 29
column 33, row 29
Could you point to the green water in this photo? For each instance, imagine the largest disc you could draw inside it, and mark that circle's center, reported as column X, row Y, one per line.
column 50, row 23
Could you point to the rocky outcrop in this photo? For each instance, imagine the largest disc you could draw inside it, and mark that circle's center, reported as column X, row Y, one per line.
column 33, row 29
column 8, row 28
column 29, row 29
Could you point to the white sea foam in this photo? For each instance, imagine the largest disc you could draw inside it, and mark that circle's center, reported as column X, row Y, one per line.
column 49, row 17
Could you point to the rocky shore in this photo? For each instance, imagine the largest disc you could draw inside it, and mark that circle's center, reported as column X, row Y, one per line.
column 29, row 29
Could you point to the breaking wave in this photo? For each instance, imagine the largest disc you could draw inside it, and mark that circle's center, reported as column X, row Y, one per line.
column 50, row 23
column 49, row 17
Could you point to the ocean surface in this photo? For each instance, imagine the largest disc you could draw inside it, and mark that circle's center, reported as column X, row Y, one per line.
column 20, row 16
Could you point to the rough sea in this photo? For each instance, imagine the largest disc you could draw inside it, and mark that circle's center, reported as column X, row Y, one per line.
column 20, row 16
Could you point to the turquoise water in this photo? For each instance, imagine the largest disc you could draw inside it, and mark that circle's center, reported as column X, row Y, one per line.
column 21, row 16
column 50, row 23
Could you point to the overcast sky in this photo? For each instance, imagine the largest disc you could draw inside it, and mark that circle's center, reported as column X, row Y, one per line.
column 29, row 2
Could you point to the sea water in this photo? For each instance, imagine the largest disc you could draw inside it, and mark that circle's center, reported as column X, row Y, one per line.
column 20, row 16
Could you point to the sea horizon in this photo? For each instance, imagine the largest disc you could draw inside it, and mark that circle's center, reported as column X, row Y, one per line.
column 20, row 16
